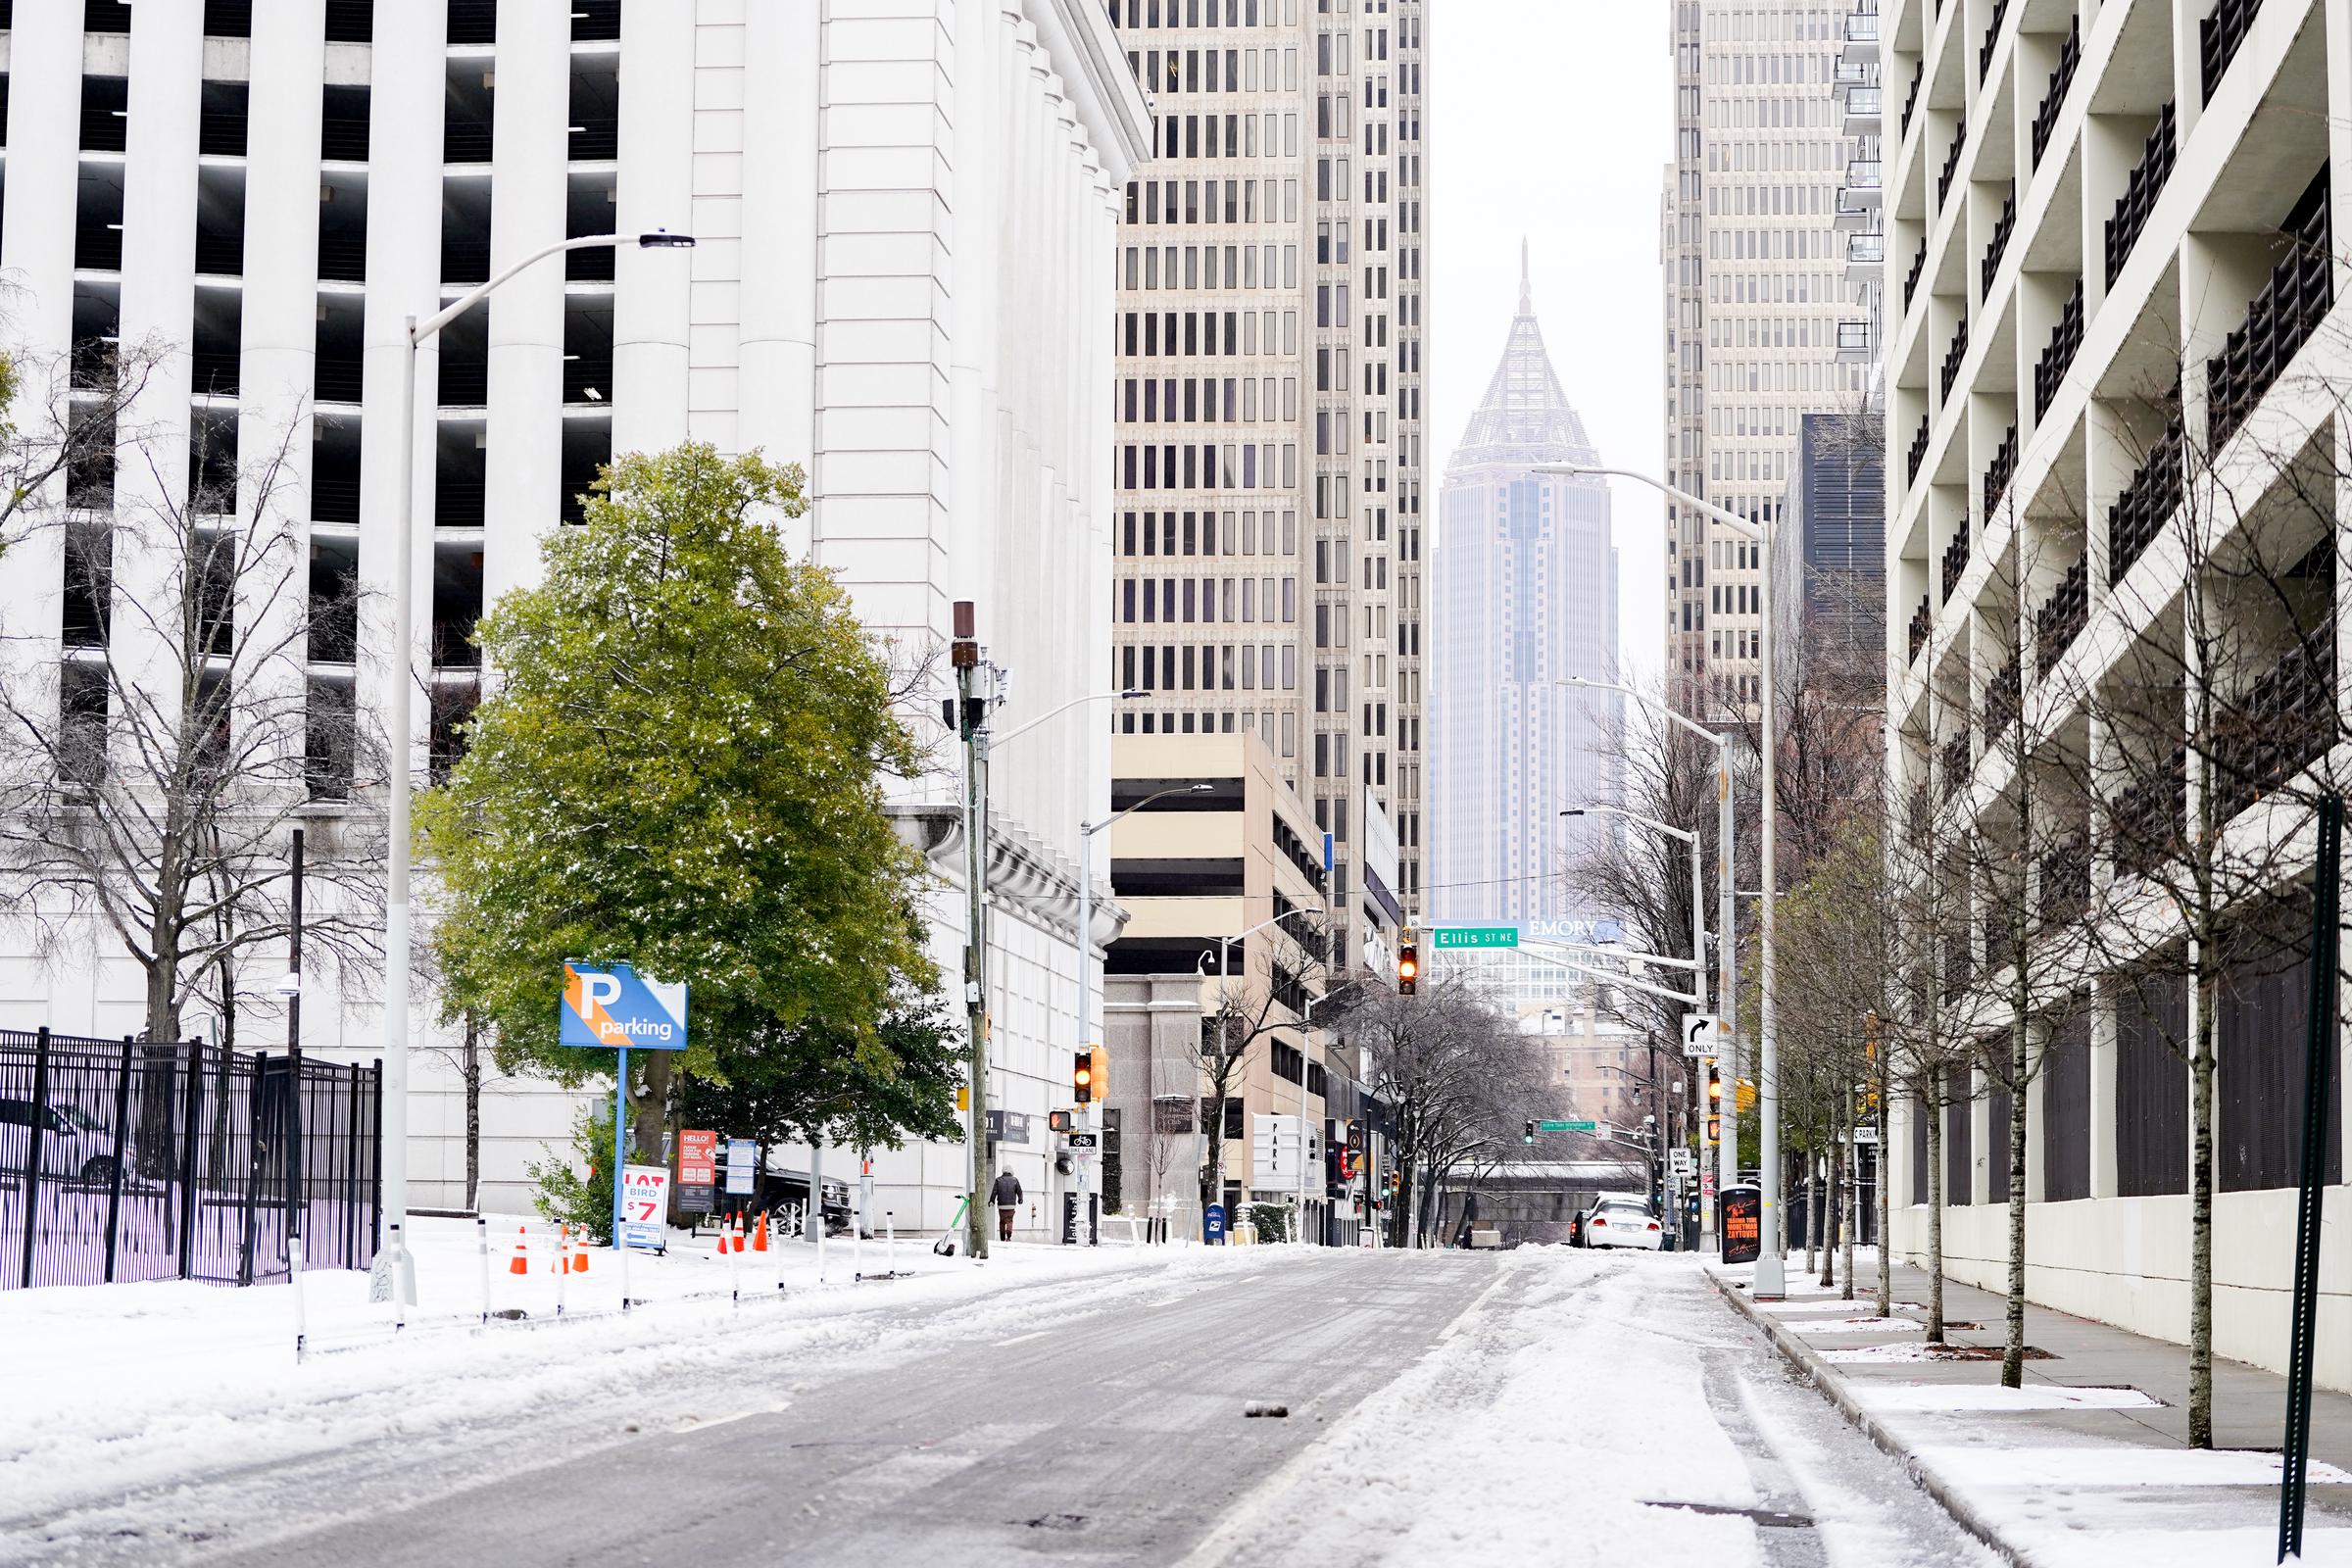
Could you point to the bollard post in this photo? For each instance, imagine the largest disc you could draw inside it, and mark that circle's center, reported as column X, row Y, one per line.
column 481, row 1245
column 890, row 1241
column 294, row 1264
column 563, row 1263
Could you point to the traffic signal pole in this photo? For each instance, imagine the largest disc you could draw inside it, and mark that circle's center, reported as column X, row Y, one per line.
column 965, row 655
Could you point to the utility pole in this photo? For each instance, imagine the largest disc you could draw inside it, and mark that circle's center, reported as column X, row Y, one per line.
column 964, row 654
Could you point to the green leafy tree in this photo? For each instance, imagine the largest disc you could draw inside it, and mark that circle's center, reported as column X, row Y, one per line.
column 681, row 766
column 789, row 1084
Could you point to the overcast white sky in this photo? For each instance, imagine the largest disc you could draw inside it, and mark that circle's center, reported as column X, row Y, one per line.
column 1554, row 119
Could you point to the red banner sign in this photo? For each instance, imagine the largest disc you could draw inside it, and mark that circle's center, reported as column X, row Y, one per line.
column 697, row 1159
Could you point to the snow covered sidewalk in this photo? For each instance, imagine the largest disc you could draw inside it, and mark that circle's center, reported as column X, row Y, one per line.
column 2088, row 1464
column 124, row 1399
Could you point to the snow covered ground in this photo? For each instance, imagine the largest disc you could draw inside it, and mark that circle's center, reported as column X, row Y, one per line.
column 142, row 1392
column 2067, row 1476
column 1601, row 1411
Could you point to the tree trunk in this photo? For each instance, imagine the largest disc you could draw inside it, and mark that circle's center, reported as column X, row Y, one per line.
column 1935, row 1099
column 1845, row 1223
column 650, row 1120
column 2200, row 1213
column 1829, row 1208
column 1812, row 1208
column 1885, row 1191
column 471, row 1064
column 2013, row 1342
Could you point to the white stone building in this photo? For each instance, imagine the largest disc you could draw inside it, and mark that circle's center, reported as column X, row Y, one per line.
column 2112, row 305
column 905, row 216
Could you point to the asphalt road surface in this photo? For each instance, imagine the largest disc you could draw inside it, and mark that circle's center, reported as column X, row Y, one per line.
column 1118, row 1437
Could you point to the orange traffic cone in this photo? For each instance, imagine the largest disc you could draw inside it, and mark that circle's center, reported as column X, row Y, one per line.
column 759, row 1235
column 521, row 1262
column 579, row 1253
column 737, row 1242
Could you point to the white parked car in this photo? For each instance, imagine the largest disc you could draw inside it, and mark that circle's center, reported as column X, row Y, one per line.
column 1622, row 1222
column 72, row 1145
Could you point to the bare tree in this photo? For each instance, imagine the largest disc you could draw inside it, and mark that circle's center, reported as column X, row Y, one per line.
column 151, row 775
column 1244, row 1014
column 1458, row 1079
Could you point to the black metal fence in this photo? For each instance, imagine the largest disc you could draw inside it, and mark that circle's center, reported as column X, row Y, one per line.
column 124, row 1159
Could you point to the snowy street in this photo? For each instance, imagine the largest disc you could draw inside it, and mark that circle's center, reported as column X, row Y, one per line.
column 1542, row 1405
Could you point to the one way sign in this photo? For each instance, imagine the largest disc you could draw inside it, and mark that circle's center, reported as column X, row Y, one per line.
column 1704, row 1034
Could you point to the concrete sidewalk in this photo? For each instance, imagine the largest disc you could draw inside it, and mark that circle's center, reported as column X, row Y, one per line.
column 2088, row 1463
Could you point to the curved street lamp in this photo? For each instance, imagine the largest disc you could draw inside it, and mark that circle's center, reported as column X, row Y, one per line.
column 1770, row 1280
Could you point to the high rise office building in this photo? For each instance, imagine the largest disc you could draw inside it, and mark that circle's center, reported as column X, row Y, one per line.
column 1754, row 277
column 1524, row 595
column 264, row 191
column 1267, row 459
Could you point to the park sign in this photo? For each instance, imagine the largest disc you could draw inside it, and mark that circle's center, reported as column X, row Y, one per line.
column 1474, row 936
column 608, row 1005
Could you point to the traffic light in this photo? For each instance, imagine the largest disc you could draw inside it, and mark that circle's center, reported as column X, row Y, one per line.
column 1529, row 1136
column 1081, row 1078
column 1408, row 969
column 1099, row 1063
column 1714, row 1106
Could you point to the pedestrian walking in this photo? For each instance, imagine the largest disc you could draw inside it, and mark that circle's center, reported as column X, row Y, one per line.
column 1006, row 1193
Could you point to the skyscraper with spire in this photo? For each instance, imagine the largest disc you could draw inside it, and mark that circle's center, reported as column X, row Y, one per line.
column 1524, row 597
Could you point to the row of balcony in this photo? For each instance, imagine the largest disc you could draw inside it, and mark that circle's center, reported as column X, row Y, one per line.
column 2145, row 184
column 2058, row 355
column 2062, row 618
column 1992, row 37
column 2147, row 503
column 1951, row 163
column 2268, row 734
column 2046, row 117
column 2279, row 322
column 1953, row 355
column 2218, row 38
column 2002, row 227
column 1955, row 561
column 2004, row 695
column 2001, row 470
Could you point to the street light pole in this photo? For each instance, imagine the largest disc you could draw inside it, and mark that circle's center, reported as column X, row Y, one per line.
column 1727, row 947
column 1699, row 886
column 392, row 1277
column 1771, row 1282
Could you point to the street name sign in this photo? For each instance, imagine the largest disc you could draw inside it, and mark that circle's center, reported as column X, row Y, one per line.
column 1567, row 1126
column 1474, row 936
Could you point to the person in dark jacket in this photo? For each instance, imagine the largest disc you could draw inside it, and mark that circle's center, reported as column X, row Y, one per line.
column 1006, row 1193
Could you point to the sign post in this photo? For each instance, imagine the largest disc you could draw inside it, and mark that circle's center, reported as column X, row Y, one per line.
column 611, row 1007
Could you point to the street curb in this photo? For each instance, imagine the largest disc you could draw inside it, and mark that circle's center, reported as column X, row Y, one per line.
column 1833, row 1389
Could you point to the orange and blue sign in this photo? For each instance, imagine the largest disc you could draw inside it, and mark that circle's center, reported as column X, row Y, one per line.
column 608, row 1005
